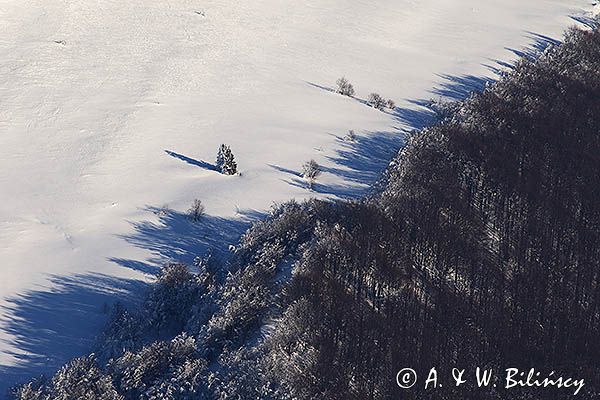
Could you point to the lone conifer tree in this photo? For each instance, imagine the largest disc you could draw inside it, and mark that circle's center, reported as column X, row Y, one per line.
column 226, row 161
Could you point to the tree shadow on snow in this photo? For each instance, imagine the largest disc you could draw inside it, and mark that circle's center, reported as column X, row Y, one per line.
column 176, row 238
column 459, row 87
column 361, row 162
column 589, row 22
column 51, row 326
column 539, row 45
column 296, row 174
column 191, row 161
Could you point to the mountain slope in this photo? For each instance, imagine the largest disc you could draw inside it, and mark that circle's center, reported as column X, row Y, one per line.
column 480, row 251
column 108, row 110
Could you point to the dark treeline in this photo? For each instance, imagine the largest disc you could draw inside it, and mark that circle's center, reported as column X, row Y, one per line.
column 481, row 250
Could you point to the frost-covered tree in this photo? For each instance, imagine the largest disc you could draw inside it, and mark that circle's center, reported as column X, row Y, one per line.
column 184, row 381
column 391, row 104
column 196, row 211
column 30, row 391
column 311, row 171
column 161, row 370
column 122, row 333
column 82, row 379
column 226, row 160
column 443, row 109
column 375, row 100
column 79, row 379
column 169, row 304
column 344, row 87
column 290, row 356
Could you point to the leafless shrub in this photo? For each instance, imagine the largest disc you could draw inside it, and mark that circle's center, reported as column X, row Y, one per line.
column 311, row 171
column 351, row 136
column 344, row 87
column 376, row 101
column 196, row 211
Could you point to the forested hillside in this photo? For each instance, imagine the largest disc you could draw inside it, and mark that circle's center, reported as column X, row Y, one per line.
column 480, row 250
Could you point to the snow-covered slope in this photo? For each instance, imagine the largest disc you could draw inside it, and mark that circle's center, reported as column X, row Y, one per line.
column 111, row 109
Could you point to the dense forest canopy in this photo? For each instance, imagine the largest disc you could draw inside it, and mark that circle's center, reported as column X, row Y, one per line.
column 481, row 249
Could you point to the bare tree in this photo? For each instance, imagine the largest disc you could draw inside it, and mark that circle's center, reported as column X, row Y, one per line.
column 311, row 171
column 196, row 211
column 351, row 136
column 344, row 87
column 375, row 100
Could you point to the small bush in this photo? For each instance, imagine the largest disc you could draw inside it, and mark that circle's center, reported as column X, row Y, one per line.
column 344, row 87
column 163, row 211
column 311, row 171
column 391, row 104
column 351, row 136
column 376, row 101
column 196, row 211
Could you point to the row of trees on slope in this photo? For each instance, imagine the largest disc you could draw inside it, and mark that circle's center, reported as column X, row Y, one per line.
column 375, row 100
column 480, row 251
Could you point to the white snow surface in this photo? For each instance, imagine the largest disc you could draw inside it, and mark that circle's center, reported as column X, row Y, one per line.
column 110, row 109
